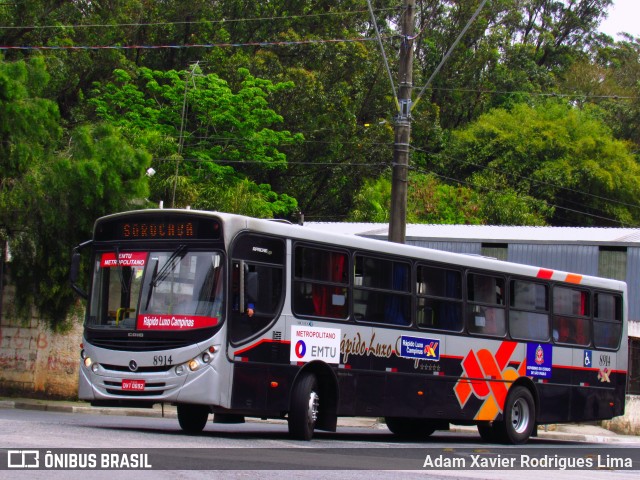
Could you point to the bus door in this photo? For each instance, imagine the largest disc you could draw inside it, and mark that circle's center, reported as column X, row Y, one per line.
column 257, row 285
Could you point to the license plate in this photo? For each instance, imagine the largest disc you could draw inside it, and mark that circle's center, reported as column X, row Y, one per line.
column 136, row 385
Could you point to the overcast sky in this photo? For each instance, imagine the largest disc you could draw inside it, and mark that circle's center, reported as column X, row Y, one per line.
column 624, row 16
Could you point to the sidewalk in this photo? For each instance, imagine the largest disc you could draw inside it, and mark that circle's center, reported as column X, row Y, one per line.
column 567, row 432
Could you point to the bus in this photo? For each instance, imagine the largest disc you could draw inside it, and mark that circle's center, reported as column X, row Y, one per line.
column 240, row 317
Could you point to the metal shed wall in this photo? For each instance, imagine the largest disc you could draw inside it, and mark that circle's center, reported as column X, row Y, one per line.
column 571, row 258
column 469, row 248
column 633, row 282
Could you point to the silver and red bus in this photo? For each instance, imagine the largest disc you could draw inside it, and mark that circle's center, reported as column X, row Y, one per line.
column 239, row 317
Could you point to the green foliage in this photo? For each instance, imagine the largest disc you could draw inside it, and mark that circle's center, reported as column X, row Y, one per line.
column 247, row 198
column 98, row 174
column 556, row 153
column 192, row 122
column 372, row 202
column 429, row 201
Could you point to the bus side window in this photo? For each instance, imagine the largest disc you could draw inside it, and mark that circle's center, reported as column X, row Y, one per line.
column 320, row 282
column 529, row 310
column 571, row 316
column 382, row 291
column 607, row 322
column 485, row 308
column 439, row 298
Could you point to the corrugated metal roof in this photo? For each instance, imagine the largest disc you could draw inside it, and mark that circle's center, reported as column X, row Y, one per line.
column 490, row 233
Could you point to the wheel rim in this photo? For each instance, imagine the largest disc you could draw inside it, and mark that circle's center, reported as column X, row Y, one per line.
column 520, row 415
column 312, row 411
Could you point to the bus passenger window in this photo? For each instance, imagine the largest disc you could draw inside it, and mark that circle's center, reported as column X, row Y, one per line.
column 571, row 318
column 439, row 298
column 529, row 311
column 382, row 293
column 485, row 307
column 320, row 283
column 607, row 322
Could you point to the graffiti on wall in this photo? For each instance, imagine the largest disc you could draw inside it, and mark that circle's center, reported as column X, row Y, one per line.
column 36, row 357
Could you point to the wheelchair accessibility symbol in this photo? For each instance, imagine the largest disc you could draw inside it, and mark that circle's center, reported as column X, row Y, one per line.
column 587, row 358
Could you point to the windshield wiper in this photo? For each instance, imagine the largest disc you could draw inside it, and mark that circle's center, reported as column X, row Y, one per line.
column 125, row 288
column 168, row 266
column 159, row 276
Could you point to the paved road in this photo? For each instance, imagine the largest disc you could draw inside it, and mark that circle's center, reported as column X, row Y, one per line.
column 54, row 425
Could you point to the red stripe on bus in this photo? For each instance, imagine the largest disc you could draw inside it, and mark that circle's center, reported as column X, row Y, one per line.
column 544, row 273
column 264, row 340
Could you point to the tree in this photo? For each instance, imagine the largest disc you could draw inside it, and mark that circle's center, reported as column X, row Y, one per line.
column 194, row 125
column 98, row 174
column 50, row 195
column 429, row 201
column 610, row 80
column 556, row 153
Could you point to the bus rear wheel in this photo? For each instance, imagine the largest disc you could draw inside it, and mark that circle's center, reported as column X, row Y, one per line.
column 192, row 418
column 305, row 405
column 410, row 428
column 519, row 417
column 489, row 432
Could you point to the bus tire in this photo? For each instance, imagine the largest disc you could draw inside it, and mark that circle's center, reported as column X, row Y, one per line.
column 489, row 432
column 305, row 405
column 410, row 428
column 192, row 418
column 519, row 416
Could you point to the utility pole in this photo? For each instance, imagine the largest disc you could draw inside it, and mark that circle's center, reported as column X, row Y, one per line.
column 402, row 129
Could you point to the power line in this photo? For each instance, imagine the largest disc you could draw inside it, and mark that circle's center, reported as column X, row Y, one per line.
column 266, row 164
column 536, row 94
column 192, row 22
column 184, row 46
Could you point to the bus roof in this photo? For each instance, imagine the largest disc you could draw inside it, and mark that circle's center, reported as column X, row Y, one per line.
column 334, row 234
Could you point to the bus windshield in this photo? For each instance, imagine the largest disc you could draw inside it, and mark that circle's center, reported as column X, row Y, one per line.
column 156, row 290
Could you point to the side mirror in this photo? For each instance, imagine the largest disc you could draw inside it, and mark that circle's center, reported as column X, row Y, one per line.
column 75, row 267
column 74, row 273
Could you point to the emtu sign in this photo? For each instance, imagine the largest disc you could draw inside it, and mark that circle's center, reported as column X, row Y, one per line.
column 315, row 343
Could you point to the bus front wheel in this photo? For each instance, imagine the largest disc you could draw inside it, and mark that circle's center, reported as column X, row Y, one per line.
column 305, row 404
column 192, row 418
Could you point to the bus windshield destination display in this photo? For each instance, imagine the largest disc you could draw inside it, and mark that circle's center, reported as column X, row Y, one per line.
column 159, row 227
column 145, row 230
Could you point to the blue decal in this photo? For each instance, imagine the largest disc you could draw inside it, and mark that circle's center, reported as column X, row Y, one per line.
column 420, row 348
column 539, row 360
column 588, row 359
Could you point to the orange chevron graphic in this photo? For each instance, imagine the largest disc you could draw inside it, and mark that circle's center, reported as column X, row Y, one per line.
column 488, row 377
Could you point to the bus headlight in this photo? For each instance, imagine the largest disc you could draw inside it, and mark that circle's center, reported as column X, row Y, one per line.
column 87, row 362
column 94, row 368
column 198, row 362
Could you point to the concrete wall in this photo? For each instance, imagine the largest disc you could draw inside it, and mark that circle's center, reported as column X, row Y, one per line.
column 629, row 424
column 33, row 359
